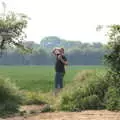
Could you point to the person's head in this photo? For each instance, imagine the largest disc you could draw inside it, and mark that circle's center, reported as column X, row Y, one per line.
column 62, row 50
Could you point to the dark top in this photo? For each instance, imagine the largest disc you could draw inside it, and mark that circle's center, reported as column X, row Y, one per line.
column 59, row 66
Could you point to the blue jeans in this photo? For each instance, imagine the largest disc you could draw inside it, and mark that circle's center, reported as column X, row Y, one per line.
column 59, row 80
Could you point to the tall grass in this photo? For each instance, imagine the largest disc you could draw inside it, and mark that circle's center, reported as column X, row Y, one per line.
column 10, row 97
column 86, row 92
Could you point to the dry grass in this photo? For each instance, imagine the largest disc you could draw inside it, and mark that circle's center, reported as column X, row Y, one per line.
column 81, row 76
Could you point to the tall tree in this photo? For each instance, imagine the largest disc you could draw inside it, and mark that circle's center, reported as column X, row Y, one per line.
column 12, row 27
column 112, row 59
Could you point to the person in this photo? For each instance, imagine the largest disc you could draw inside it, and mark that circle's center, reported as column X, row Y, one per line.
column 61, row 61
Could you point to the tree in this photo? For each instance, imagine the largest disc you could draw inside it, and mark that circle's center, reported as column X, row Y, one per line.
column 112, row 59
column 12, row 27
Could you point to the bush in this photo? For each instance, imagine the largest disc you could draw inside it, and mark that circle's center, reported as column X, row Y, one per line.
column 112, row 99
column 112, row 96
column 112, row 60
column 91, row 91
column 113, row 78
column 10, row 97
column 34, row 98
column 88, row 94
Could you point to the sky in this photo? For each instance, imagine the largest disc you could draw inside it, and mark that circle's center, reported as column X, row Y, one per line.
column 68, row 19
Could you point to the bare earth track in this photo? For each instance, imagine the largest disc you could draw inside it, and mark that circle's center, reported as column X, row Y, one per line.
column 84, row 115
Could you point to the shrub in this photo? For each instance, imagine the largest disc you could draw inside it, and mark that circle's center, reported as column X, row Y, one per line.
column 112, row 60
column 10, row 97
column 34, row 98
column 112, row 99
column 88, row 94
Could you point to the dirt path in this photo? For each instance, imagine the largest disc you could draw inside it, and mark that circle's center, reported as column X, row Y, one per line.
column 84, row 115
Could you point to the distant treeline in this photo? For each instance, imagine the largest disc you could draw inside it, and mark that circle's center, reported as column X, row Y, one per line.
column 77, row 53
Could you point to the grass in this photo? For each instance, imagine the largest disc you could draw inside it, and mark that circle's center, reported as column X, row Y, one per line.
column 40, row 78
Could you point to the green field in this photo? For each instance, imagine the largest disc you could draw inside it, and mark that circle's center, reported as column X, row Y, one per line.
column 40, row 78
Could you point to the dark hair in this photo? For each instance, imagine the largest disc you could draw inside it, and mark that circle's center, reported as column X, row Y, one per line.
column 62, row 48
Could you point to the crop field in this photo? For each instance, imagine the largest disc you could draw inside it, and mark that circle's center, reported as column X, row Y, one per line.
column 40, row 78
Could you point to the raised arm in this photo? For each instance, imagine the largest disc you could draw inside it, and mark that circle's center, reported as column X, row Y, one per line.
column 65, row 62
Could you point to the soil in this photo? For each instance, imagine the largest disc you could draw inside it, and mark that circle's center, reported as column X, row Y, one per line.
column 84, row 115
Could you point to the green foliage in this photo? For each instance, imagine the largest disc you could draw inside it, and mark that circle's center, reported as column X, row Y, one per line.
column 113, row 79
column 12, row 29
column 113, row 74
column 112, row 99
column 112, row 60
column 10, row 97
column 113, row 57
column 88, row 94
column 34, row 98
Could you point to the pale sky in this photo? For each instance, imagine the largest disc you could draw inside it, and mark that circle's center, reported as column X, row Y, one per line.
column 67, row 19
